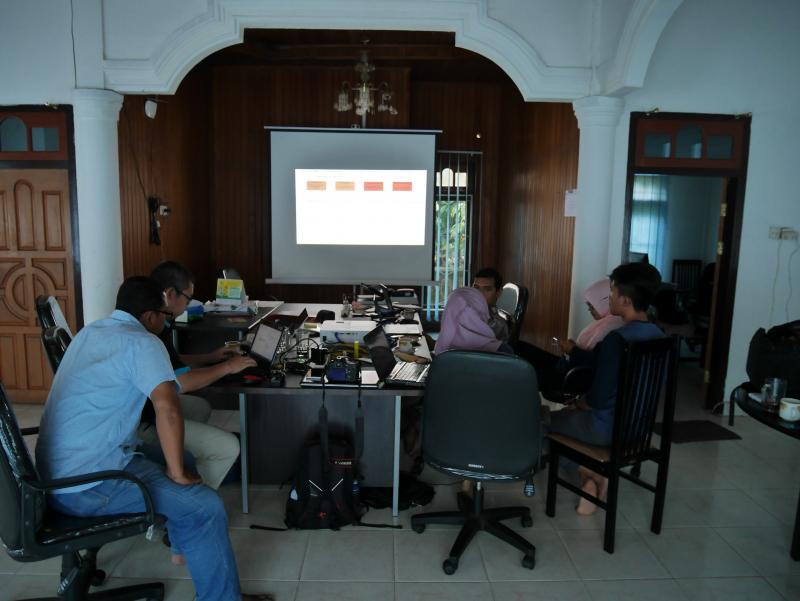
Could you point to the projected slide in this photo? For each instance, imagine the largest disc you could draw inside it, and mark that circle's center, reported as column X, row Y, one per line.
column 360, row 207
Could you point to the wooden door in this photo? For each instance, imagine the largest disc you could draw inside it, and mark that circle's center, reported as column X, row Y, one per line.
column 35, row 258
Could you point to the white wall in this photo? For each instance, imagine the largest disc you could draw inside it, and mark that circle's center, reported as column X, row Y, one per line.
column 734, row 56
column 35, row 52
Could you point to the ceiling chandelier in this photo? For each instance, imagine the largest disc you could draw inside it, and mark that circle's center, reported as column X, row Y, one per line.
column 363, row 96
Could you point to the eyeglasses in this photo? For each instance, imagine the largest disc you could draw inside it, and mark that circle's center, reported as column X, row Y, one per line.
column 188, row 298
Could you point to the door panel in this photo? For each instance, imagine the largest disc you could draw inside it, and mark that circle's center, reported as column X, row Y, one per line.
column 35, row 259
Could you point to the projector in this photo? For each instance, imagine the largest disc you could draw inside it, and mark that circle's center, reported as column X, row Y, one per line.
column 344, row 332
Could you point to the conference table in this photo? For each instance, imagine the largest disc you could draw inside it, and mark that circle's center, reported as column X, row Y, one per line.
column 756, row 410
column 275, row 422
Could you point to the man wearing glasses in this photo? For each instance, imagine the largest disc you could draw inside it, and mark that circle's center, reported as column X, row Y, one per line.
column 89, row 425
column 214, row 450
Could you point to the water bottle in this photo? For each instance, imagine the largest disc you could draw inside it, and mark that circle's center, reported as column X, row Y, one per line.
column 529, row 489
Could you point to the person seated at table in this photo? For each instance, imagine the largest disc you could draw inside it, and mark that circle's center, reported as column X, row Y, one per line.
column 591, row 419
column 214, row 449
column 465, row 325
column 489, row 283
column 89, row 425
column 551, row 369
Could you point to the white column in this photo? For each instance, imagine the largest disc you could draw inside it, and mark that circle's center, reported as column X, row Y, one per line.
column 597, row 120
column 99, row 221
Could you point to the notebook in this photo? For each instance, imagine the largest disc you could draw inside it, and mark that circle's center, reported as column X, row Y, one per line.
column 389, row 369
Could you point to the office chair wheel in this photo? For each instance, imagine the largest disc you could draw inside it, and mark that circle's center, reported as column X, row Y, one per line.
column 527, row 521
column 418, row 528
column 450, row 565
column 529, row 561
column 98, row 578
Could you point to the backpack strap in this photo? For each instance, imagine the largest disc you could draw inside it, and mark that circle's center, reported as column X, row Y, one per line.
column 324, row 442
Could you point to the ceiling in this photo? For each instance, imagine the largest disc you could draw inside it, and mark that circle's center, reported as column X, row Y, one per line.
column 430, row 55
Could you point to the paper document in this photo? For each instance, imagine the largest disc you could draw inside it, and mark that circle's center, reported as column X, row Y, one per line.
column 412, row 329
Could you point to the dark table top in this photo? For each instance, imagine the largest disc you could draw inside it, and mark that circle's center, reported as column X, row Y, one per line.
column 756, row 410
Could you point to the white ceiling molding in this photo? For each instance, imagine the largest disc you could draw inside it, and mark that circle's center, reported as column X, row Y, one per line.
column 224, row 23
column 643, row 28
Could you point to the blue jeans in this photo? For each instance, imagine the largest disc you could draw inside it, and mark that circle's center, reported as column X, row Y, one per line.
column 196, row 522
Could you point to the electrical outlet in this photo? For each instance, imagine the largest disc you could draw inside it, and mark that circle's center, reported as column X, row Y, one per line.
column 164, row 210
column 788, row 233
column 774, row 232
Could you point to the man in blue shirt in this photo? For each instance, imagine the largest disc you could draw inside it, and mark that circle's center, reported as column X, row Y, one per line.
column 591, row 420
column 89, row 424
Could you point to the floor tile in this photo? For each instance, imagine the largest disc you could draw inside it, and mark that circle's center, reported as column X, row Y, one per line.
column 174, row 590
column 728, row 508
column 504, row 562
column 282, row 590
column 631, row 558
column 696, row 552
column 540, row 591
column 344, row 591
column 353, row 556
column 26, row 586
column 443, row 591
column 637, row 507
column 634, row 590
column 780, row 502
column 149, row 559
column 419, row 557
column 567, row 519
column 269, row 555
column 787, row 586
column 728, row 589
column 267, row 507
column 767, row 549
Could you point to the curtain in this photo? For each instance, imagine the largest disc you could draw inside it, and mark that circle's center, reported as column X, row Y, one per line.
column 649, row 218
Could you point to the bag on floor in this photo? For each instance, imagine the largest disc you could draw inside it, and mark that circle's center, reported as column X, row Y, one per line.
column 413, row 493
column 776, row 354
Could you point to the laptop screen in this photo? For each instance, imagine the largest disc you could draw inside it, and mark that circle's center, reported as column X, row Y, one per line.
column 265, row 343
column 380, row 351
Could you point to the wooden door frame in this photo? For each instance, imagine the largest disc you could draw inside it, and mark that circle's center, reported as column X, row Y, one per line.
column 69, row 165
column 728, row 263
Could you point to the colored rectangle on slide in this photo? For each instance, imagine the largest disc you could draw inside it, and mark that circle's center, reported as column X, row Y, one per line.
column 401, row 186
column 345, row 186
column 373, row 186
column 312, row 185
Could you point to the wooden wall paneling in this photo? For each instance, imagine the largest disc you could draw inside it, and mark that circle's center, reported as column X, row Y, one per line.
column 462, row 111
column 172, row 155
column 537, row 249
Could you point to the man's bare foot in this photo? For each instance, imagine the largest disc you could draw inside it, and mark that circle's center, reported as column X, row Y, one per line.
column 586, row 507
column 178, row 560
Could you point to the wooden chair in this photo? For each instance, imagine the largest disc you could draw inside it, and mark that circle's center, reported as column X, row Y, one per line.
column 644, row 368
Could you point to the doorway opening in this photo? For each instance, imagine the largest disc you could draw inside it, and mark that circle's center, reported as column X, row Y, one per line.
column 684, row 206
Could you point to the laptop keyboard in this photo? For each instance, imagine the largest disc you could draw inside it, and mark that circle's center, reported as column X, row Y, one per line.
column 410, row 372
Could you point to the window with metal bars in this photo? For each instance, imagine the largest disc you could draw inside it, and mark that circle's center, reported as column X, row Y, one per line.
column 456, row 197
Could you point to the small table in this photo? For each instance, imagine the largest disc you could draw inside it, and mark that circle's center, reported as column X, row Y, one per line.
column 756, row 410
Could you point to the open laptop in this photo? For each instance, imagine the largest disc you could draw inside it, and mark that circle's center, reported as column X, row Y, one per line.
column 389, row 369
column 265, row 347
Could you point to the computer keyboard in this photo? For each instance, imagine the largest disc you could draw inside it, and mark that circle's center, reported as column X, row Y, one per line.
column 410, row 372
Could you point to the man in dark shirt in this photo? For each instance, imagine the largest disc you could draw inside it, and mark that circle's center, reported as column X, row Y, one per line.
column 214, row 450
column 591, row 420
column 489, row 283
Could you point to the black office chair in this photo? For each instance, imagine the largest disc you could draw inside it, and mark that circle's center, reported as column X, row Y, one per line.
column 481, row 422
column 55, row 340
column 644, row 368
column 512, row 305
column 32, row 531
column 50, row 314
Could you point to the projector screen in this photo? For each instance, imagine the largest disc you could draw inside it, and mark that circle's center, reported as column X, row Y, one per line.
column 351, row 205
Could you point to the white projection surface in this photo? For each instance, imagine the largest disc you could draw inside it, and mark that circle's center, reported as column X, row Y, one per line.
column 368, row 196
column 351, row 205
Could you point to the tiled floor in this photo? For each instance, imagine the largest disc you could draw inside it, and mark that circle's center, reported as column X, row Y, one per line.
column 729, row 513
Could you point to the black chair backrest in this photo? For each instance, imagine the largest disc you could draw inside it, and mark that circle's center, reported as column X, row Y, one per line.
column 644, row 368
column 686, row 273
column 55, row 340
column 44, row 311
column 16, row 467
column 514, row 303
column 481, row 414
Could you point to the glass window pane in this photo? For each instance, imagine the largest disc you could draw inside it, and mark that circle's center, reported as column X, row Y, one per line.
column 689, row 143
column 13, row 135
column 657, row 145
column 45, row 139
column 719, row 147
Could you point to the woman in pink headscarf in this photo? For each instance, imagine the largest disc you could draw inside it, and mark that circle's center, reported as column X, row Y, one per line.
column 596, row 297
column 465, row 324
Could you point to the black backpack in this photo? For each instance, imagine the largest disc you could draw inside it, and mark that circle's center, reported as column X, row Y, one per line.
column 776, row 354
column 322, row 494
column 412, row 493
column 322, row 498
